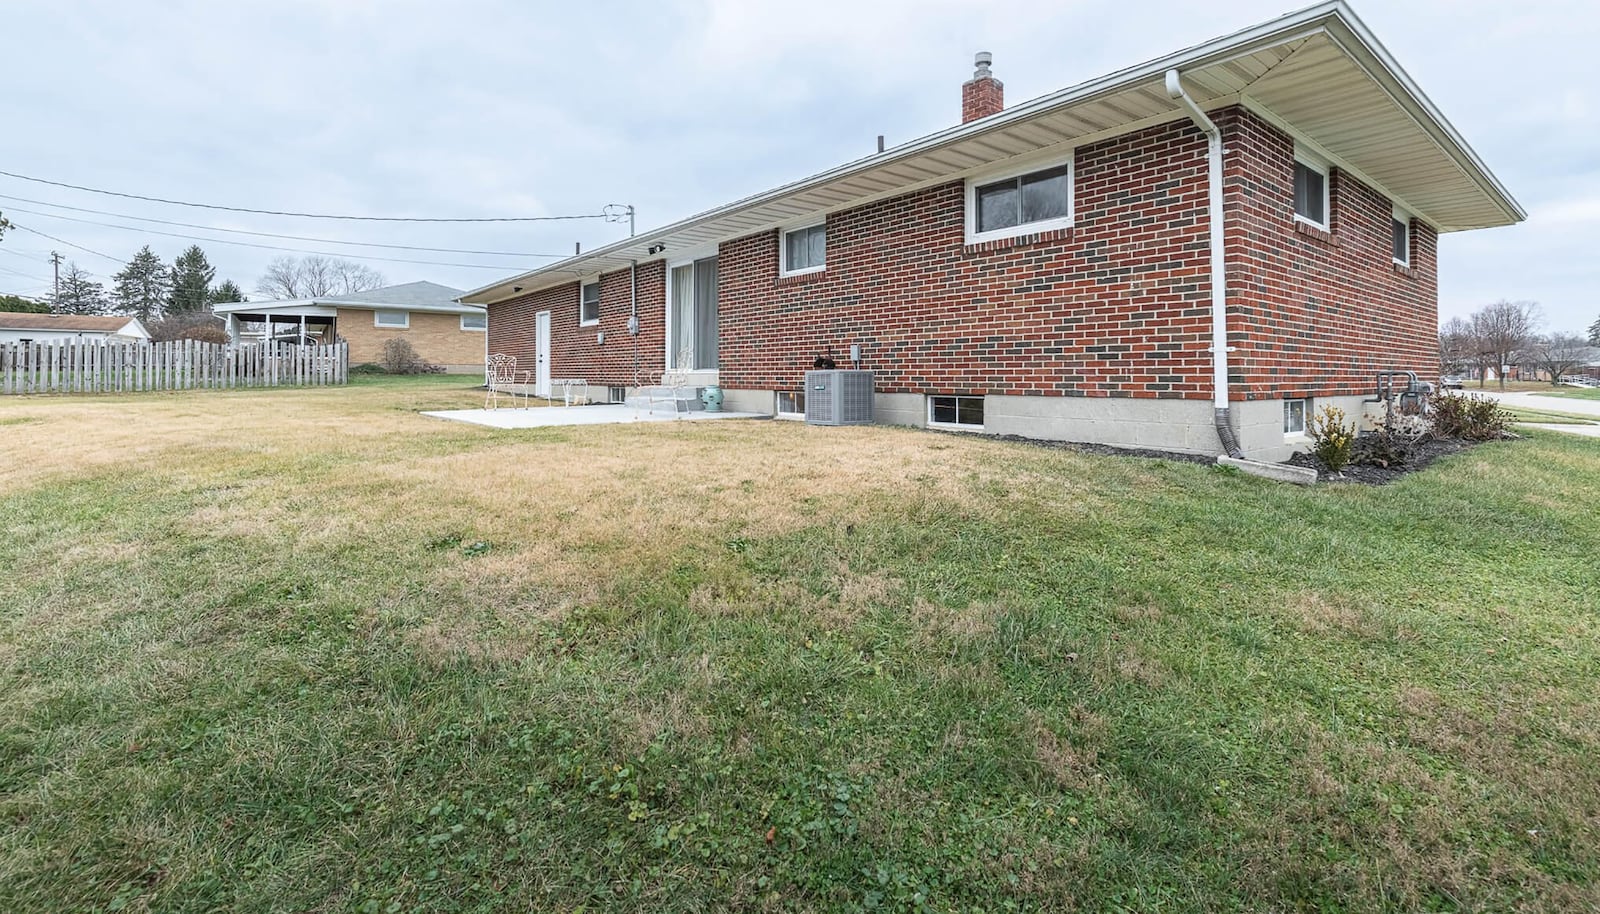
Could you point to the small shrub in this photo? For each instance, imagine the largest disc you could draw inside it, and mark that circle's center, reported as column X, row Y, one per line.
column 1332, row 438
column 368, row 368
column 1459, row 415
column 1394, row 442
column 399, row 357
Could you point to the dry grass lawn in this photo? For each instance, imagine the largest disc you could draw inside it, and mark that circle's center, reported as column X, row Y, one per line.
column 309, row 650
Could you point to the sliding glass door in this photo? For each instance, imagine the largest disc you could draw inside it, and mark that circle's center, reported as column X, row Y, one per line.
column 692, row 315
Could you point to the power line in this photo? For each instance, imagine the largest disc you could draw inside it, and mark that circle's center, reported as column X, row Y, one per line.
column 270, row 212
column 212, row 228
column 23, row 275
column 34, row 257
column 66, row 242
column 249, row 244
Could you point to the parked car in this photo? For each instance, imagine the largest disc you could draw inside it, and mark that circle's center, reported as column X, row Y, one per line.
column 1452, row 383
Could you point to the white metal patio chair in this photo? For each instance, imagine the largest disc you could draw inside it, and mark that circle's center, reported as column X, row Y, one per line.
column 504, row 380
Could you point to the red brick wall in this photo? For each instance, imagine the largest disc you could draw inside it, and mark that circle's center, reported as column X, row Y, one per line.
column 1314, row 313
column 575, row 351
column 1116, row 306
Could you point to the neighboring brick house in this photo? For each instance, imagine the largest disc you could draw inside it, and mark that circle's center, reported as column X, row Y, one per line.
column 441, row 329
column 1047, row 270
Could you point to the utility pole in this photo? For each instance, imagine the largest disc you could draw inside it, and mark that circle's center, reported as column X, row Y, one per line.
column 55, row 261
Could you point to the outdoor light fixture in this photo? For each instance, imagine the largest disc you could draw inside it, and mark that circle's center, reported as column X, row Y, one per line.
column 516, row 288
column 655, row 249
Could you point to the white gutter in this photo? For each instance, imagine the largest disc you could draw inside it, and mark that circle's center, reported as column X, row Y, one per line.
column 1221, row 407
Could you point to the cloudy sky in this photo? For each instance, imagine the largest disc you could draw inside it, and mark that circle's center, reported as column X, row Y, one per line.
column 479, row 108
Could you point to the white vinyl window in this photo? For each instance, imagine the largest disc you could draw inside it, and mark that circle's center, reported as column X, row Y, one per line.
column 1019, row 202
column 1310, row 190
column 805, row 250
column 791, row 403
column 589, row 304
column 955, row 412
column 1295, row 413
column 1400, row 234
column 474, row 322
column 394, row 320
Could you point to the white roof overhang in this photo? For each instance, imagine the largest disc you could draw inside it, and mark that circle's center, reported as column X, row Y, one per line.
column 312, row 307
column 1318, row 73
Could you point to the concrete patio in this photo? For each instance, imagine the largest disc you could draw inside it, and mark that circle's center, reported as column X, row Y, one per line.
column 597, row 414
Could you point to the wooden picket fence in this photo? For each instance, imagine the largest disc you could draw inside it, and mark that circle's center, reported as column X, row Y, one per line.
column 98, row 366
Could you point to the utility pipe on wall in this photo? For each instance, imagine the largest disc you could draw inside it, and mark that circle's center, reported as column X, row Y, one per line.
column 1221, row 407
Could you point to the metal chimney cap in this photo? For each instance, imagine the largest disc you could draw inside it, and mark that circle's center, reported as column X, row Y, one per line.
column 982, row 59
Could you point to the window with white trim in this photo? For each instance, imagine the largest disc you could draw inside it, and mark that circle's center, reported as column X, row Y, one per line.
column 791, row 403
column 955, row 412
column 1020, row 203
column 1310, row 190
column 1295, row 413
column 589, row 303
column 391, row 319
column 1400, row 235
column 474, row 322
column 805, row 250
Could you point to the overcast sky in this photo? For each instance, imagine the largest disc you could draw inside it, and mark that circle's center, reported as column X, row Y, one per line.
column 480, row 108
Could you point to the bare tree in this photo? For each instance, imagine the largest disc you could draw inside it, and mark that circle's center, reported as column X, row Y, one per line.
column 1500, row 331
column 1456, row 346
column 1559, row 354
column 309, row 277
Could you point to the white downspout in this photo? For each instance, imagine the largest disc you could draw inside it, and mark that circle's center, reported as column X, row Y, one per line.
column 1221, row 407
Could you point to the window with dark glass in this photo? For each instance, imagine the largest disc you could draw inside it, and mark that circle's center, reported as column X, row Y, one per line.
column 1310, row 194
column 966, row 411
column 1037, row 197
column 589, row 304
column 1401, row 233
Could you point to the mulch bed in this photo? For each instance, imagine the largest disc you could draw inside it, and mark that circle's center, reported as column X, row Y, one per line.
column 1422, row 454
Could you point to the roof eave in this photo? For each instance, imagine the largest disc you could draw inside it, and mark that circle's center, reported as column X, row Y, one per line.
column 1333, row 17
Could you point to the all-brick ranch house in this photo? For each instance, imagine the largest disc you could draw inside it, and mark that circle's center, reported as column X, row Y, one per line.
column 1055, row 269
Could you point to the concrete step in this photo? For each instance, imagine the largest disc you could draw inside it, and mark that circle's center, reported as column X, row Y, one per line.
column 667, row 399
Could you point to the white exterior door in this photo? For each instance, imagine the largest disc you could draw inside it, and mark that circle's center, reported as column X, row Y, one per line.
column 541, row 346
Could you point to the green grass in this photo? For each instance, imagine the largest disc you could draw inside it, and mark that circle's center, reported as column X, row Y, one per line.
column 1522, row 414
column 309, row 651
column 1572, row 393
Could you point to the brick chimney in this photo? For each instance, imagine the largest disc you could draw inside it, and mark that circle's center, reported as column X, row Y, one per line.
column 982, row 95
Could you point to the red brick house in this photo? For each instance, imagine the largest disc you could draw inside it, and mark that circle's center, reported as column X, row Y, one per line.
column 1061, row 268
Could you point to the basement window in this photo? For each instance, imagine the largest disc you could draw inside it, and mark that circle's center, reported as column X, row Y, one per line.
column 589, row 304
column 394, row 320
column 1400, row 233
column 791, row 403
column 805, row 250
column 1295, row 413
column 1310, row 190
column 474, row 322
column 1019, row 203
column 955, row 412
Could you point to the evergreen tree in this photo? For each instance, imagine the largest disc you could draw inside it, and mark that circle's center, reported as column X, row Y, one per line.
column 142, row 286
column 226, row 292
column 191, row 281
column 78, row 293
column 1594, row 333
